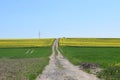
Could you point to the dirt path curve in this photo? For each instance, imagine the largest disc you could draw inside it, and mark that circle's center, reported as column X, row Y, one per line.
column 60, row 68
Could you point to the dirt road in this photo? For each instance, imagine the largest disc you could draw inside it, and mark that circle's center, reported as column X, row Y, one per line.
column 60, row 68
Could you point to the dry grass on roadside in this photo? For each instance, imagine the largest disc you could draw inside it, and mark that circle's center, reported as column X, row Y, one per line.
column 21, row 69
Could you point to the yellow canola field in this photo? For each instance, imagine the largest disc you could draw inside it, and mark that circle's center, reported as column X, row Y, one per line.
column 25, row 42
column 109, row 42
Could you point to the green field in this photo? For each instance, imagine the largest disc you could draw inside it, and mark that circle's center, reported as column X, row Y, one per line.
column 105, row 56
column 103, row 51
column 23, row 59
column 15, row 53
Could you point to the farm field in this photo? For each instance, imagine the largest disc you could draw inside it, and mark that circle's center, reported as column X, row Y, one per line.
column 104, row 42
column 103, row 51
column 23, row 59
column 15, row 53
column 104, row 56
column 25, row 42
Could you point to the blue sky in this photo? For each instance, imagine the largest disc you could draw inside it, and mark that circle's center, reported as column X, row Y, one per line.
column 59, row 18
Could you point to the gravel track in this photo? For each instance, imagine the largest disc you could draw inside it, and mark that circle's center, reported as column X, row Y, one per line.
column 60, row 68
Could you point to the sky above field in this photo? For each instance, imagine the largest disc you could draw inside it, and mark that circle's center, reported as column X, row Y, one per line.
column 59, row 18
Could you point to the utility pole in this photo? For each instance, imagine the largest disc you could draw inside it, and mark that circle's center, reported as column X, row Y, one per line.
column 39, row 34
